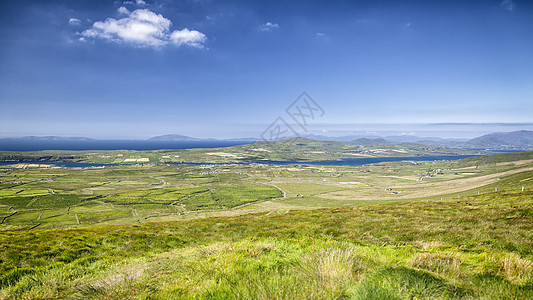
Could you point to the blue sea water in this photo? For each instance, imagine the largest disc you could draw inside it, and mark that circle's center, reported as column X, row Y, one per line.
column 36, row 145
column 342, row 162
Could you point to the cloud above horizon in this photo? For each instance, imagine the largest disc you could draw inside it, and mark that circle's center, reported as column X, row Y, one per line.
column 74, row 21
column 269, row 26
column 143, row 28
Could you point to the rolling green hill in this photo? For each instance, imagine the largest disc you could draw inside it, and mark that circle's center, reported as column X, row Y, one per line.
column 477, row 247
column 403, row 230
column 300, row 149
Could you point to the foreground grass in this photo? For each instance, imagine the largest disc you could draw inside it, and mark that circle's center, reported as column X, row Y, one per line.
column 475, row 247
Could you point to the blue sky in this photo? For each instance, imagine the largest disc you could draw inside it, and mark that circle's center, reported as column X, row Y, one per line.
column 134, row 69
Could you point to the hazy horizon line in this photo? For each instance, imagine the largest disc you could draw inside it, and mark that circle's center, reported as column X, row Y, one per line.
column 334, row 130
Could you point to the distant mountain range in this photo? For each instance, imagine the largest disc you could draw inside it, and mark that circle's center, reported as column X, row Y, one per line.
column 516, row 140
column 367, row 141
column 389, row 139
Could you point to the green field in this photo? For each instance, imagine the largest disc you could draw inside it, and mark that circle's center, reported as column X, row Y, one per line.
column 403, row 230
column 300, row 149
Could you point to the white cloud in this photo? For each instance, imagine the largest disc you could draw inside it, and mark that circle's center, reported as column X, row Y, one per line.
column 508, row 4
column 143, row 27
column 268, row 26
column 123, row 10
column 321, row 36
column 188, row 37
column 74, row 21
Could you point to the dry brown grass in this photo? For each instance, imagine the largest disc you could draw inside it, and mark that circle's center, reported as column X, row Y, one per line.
column 516, row 269
column 332, row 268
column 437, row 262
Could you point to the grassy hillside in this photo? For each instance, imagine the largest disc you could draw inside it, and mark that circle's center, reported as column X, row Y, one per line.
column 301, row 149
column 269, row 232
column 308, row 149
column 498, row 158
column 477, row 247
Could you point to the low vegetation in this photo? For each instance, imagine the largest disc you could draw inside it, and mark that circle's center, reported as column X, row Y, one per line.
column 436, row 230
column 476, row 247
